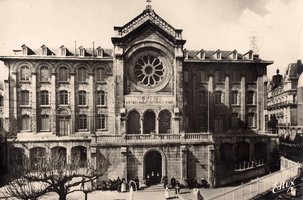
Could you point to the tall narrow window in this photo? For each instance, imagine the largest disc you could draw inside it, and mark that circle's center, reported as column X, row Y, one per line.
column 251, row 120
column 202, row 76
column 202, row 122
column 101, row 98
column 219, row 76
column 82, row 74
column 250, row 95
column 234, row 119
column 100, row 74
column 101, row 122
column 24, row 97
column 82, row 122
column 218, row 98
column 44, row 74
column 234, row 97
column 218, row 125
column 44, row 97
column 25, row 122
column 63, row 97
column 202, row 98
column 82, row 98
column 186, row 76
column 44, row 126
column 25, row 73
column 63, row 74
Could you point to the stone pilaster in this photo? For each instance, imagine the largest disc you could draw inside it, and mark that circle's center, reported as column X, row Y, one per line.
column 227, row 91
column 91, row 104
column 183, row 164
column 211, row 166
column 141, row 124
column 243, row 100
column 53, row 102
column 210, row 103
column 34, row 102
column 157, row 125
column 124, row 161
column 68, row 155
column 13, row 100
column 73, row 103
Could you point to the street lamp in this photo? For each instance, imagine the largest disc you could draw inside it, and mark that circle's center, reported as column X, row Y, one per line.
column 87, row 187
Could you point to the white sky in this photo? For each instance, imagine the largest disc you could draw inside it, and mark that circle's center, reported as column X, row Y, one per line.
column 209, row 25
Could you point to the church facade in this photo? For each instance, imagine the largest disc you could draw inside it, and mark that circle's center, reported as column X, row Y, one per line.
column 146, row 108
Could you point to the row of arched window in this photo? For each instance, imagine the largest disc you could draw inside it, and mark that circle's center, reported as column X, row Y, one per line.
column 219, row 98
column 219, row 76
column 63, row 97
column 44, row 122
column 63, row 75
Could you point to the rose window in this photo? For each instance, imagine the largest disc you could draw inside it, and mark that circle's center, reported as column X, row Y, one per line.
column 149, row 70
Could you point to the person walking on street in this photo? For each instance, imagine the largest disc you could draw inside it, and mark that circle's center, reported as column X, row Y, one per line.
column 166, row 192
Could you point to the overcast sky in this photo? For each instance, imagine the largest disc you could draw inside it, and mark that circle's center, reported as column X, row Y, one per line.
column 209, row 25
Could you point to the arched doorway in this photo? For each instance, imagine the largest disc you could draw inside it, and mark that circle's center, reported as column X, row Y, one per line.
column 79, row 155
column 149, row 122
column 153, row 167
column 133, row 123
column 59, row 156
column 164, row 121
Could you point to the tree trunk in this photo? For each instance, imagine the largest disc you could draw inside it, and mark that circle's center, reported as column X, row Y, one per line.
column 62, row 196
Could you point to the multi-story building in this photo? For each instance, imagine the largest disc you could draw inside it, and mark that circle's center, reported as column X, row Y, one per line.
column 284, row 111
column 147, row 108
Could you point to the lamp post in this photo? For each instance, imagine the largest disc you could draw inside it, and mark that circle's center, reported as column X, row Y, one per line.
column 87, row 187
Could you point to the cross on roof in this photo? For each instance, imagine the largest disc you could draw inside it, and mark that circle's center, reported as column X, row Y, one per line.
column 148, row 4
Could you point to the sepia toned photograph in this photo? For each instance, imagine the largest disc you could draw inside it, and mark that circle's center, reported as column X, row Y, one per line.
column 151, row 99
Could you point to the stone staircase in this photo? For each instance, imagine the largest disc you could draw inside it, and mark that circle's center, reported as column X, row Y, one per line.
column 154, row 188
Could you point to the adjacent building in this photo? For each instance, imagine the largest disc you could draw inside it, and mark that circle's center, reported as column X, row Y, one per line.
column 146, row 108
column 285, row 111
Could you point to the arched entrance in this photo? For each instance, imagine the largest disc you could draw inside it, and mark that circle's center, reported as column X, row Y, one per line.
column 149, row 122
column 153, row 167
column 164, row 121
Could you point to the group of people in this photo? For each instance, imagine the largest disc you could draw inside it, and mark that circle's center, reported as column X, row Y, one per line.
column 174, row 184
column 120, row 185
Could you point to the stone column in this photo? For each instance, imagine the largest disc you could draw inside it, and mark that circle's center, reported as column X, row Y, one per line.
column 93, row 157
column 68, row 155
column 124, row 162
column 141, row 124
column 34, row 102
column 91, row 104
column 211, row 166
column 157, row 125
column 72, row 100
column 243, row 100
column 183, row 164
column 53, row 102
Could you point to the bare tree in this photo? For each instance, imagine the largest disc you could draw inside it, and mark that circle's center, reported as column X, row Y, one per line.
column 53, row 175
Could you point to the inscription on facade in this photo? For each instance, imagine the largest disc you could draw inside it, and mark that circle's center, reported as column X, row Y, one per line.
column 154, row 100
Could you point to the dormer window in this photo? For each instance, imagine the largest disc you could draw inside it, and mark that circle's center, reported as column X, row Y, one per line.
column 44, row 50
column 82, row 51
column 249, row 55
column 218, row 55
column 235, row 55
column 63, row 50
column 202, row 54
column 100, row 52
column 24, row 49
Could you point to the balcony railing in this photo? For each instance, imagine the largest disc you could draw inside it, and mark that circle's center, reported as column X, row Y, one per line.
column 249, row 165
column 129, row 138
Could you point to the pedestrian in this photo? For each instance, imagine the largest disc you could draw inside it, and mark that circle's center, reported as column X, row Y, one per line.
column 137, row 182
column 131, row 193
column 173, row 182
column 166, row 192
column 177, row 188
column 165, row 181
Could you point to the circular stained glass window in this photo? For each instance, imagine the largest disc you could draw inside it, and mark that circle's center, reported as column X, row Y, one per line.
column 149, row 70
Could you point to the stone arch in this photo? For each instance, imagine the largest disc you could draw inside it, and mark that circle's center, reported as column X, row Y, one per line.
column 227, row 153
column 39, row 65
column 102, row 65
column 242, row 152
column 149, row 121
column 163, row 162
column 133, row 122
column 16, row 157
column 37, row 157
column 165, row 121
column 60, row 64
column 260, row 151
column 59, row 155
column 79, row 155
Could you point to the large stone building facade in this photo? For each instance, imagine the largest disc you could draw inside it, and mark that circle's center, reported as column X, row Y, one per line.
column 147, row 108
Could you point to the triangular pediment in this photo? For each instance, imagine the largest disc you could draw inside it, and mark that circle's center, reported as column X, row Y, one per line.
column 148, row 18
